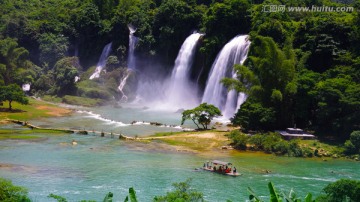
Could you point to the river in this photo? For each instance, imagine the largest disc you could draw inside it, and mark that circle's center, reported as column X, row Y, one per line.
column 98, row 165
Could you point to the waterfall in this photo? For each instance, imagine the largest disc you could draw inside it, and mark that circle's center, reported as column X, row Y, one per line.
column 181, row 91
column 234, row 52
column 130, row 62
column 122, row 84
column 102, row 61
column 132, row 42
column 175, row 91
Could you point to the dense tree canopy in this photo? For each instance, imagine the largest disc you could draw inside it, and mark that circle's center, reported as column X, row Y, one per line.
column 303, row 67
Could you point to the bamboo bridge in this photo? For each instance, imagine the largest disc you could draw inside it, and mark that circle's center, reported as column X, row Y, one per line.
column 75, row 131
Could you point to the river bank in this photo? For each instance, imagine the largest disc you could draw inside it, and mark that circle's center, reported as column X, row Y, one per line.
column 34, row 110
column 97, row 165
column 204, row 143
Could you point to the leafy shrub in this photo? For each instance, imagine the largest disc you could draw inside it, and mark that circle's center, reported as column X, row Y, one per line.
column 239, row 139
column 74, row 100
column 257, row 141
column 352, row 146
column 341, row 190
column 182, row 192
column 11, row 193
column 270, row 140
column 282, row 147
column 294, row 148
column 96, row 93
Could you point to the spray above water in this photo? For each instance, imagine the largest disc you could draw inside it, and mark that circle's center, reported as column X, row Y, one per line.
column 175, row 91
column 234, row 52
column 102, row 61
column 182, row 92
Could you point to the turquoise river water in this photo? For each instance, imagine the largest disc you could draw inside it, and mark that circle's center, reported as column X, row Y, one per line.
column 97, row 165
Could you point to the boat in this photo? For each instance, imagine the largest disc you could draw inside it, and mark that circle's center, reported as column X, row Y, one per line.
column 221, row 167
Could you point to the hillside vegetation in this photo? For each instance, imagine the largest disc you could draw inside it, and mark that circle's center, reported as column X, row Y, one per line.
column 303, row 67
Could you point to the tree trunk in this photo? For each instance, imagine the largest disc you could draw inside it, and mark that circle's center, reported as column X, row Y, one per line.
column 195, row 123
column 10, row 107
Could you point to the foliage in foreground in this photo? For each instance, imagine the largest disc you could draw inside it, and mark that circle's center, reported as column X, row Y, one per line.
column 275, row 196
column 201, row 115
column 341, row 190
column 182, row 192
column 11, row 193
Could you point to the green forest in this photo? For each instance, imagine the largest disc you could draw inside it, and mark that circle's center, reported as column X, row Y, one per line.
column 303, row 68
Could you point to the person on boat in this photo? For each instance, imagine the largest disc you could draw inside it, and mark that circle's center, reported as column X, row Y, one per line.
column 227, row 170
column 234, row 171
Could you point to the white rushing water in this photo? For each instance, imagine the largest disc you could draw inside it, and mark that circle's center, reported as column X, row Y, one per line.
column 130, row 63
column 132, row 43
column 102, row 61
column 234, row 52
column 181, row 92
column 175, row 91
column 122, row 84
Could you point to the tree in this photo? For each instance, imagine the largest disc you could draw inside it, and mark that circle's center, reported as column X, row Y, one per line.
column 182, row 193
column 202, row 114
column 268, row 77
column 352, row 145
column 65, row 71
column 12, row 93
column 341, row 190
column 52, row 48
column 12, row 58
column 254, row 116
column 10, row 192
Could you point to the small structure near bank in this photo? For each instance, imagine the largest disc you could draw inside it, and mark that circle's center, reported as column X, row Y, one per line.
column 291, row 133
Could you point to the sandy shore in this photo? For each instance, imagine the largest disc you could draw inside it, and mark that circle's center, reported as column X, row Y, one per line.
column 54, row 110
column 206, row 143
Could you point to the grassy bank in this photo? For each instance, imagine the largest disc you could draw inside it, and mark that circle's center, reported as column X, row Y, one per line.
column 217, row 141
column 34, row 110
column 202, row 141
column 75, row 100
column 25, row 133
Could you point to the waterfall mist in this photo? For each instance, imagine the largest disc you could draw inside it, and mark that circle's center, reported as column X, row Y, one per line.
column 102, row 61
column 175, row 91
column 234, row 52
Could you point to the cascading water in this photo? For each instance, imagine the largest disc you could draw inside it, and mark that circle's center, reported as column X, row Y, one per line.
column 130, row 62
column 234, row 52
column 102, row 61
column 122, row 84
column 132, row 43
column 172, row 92
column 182, row 92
